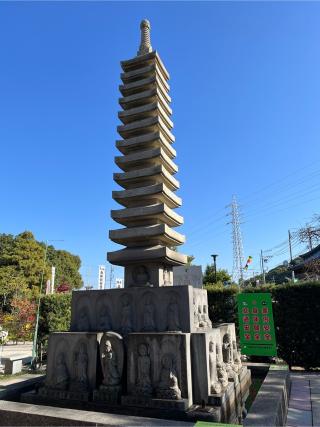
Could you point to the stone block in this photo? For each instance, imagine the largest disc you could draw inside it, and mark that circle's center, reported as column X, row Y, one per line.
column 72, row 364
column 140, row 309
column 271, row 403
column 204, row 364
column 298, row 418
column 159, row 368
column 12, row 365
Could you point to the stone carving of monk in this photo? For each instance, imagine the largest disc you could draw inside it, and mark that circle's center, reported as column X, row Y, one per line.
column 173, row 315
column 227, row 349
column 143, row 383
column 168, row 387
column 206, row 316
column 148, row 315
column 104, row 323
column 126, row 319
column 237, row 365
column 110, row 368
column 62, row 374
column 215, row 385
column 227, row 356
column 81, row 367
column 221, row 369
column 195, row 314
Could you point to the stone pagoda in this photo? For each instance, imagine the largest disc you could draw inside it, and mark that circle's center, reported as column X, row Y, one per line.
column 148, row 181
column 149, row 348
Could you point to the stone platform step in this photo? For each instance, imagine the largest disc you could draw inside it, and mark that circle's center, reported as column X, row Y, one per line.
column 142, row 73
column 145, row 111
column 146, row 97
column 147, row 141
column 146, row 158
column 150, row 235
column 153, row 254
column 144, row 84
column 24, row 414
column 148, row 125
column 147, row 176
column 143, row 61
column 147, row 215
column 143, row 196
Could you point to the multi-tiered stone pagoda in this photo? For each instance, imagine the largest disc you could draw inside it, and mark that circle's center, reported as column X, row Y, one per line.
column 149, row 348
column 147, row 179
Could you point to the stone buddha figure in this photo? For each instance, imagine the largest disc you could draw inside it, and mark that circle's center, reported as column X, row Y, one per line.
column 168, row 387
column 109, row 366
column 227, row 356
column 173, row 315
column 215, row 385
column 143, row 382
column 104, row 321
column 221, row 369
column 126, row 315
column 81, row 368
column 148, row 315
column 62, row 374
column 237, row 365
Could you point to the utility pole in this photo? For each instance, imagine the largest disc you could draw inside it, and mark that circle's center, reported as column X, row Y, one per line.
column 215, row 267
column 262, row 267
column 290, row 251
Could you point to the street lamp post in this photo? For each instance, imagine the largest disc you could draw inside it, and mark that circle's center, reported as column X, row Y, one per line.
column 214, row 256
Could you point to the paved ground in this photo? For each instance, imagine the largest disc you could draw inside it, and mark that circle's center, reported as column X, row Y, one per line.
column 304, row 403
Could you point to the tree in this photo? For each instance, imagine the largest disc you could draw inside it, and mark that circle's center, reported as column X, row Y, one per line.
column 23, row 259
column 310, row 234
column 20, row 322
column 12, row 284
column 222, row 275
column 67, row 267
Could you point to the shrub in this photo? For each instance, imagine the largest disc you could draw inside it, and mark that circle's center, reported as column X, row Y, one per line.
column 296, row 310
column 297, row 318
column 55, row 315
column 222, row 303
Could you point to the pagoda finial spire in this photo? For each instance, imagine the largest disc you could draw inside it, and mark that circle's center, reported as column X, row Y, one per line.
column 145, row 45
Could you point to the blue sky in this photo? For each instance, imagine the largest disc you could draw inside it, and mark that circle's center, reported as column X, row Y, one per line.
column 245, row 88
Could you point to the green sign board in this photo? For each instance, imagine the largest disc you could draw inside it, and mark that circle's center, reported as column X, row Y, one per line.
column 257, row 334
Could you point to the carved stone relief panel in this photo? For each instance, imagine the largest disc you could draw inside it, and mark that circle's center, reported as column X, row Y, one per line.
column 157, row 365
column 71, row 364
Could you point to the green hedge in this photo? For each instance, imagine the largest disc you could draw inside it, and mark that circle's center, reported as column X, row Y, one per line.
column 296, row 309
column 55, row 315
column 222, row 303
